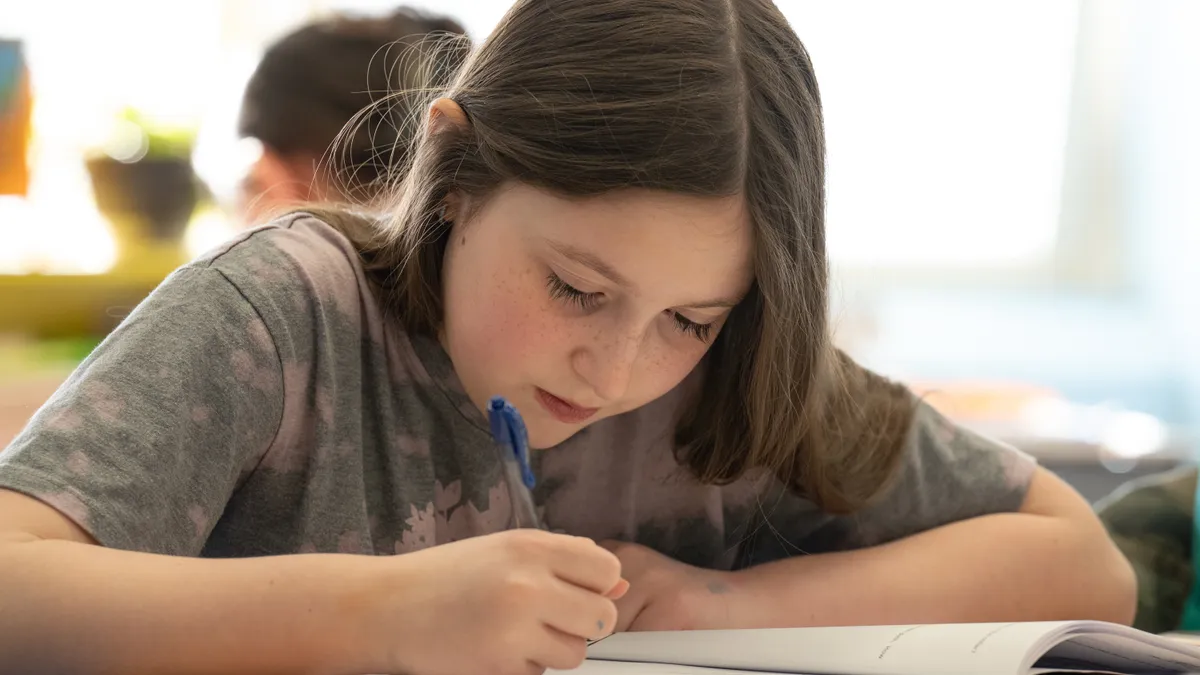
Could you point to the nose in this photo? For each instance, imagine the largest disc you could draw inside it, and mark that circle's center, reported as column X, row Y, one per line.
column 607, row 362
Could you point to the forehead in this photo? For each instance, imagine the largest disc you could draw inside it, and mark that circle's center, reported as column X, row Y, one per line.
column 647, row 236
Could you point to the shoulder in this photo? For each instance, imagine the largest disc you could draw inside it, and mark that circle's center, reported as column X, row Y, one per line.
column 294, row 250
column 302, row 276
column 938, row 443
column 949, row 473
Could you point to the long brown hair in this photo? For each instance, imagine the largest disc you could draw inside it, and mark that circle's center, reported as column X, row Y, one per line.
column 701, row 97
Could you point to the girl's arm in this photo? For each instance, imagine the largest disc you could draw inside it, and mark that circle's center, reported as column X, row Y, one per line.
column 1051, row 560
column 970, row 530
column 512, row 603
column 69, row 606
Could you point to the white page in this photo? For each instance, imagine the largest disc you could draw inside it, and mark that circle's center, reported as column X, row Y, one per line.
column 951, row 649
column 1059, row 671
column 1190, row 639
column 630, row 668
column 1127, row 654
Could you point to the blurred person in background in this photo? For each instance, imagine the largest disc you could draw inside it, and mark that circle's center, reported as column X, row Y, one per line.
column 337, row 74
column 1153, row 521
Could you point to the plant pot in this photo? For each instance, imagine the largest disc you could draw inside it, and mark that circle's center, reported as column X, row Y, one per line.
column 157, row 196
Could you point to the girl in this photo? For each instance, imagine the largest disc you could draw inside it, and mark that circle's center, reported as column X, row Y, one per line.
column 614, row 220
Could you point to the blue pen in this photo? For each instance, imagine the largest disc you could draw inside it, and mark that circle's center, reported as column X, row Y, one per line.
column 508, row 429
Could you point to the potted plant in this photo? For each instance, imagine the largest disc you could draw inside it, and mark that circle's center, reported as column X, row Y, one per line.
column 143, row 180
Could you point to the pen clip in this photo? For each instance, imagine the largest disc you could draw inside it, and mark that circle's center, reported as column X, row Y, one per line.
column 509, row 429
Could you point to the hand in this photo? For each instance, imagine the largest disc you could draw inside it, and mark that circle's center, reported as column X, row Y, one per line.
column 665, row 594
column 511, row 603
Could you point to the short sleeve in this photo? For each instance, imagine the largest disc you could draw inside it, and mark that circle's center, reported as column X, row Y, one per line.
column 947, row 474
column 147, row 440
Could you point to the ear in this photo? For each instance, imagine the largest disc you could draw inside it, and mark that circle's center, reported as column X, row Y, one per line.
column 446, row 114
column 452, row 207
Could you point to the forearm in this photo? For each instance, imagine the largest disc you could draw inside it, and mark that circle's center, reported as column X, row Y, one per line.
column 1002, row 567
column 71, row 607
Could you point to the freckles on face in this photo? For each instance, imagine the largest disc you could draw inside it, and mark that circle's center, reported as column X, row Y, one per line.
column 502, row 319
column 600, row 305
column 495, row 324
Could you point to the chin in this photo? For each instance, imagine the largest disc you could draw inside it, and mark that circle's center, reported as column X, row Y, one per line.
column 550, row 433
column 542, row 439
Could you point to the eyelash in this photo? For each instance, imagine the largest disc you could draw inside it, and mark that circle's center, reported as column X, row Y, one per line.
column 561, row 290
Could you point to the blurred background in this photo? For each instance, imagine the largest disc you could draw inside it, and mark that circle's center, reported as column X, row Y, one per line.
column 1014, row 196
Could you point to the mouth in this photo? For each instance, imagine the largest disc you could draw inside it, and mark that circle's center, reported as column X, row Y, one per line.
column 563, row 410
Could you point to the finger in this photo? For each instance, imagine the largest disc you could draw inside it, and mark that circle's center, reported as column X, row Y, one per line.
column 578, row 612
column 617, row 592
column 582, row 562
column 558, row 650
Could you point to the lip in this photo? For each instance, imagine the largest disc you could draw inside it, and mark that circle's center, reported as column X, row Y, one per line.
column 562, row 410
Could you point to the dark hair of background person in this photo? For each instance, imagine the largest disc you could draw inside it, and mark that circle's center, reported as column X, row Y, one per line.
column 325, row 75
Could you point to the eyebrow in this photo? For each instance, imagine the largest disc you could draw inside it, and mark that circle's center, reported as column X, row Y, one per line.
column 591, row 261
column 722, row 303
column 596, row 264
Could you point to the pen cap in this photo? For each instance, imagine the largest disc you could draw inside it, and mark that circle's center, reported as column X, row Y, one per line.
column 509, row 429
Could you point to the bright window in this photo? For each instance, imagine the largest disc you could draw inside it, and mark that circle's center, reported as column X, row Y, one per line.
column 946, row 125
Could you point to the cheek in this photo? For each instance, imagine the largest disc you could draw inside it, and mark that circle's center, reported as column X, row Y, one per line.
column 664, row 366
column 503, row 322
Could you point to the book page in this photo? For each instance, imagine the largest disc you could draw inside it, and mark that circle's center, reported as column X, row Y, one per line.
column 1056, row 671
column 630, row 668
column 1128, row 654
column 947, row 649
column 1188, row 638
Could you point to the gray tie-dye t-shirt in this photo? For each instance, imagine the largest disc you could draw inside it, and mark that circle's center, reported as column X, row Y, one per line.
column 259, row 402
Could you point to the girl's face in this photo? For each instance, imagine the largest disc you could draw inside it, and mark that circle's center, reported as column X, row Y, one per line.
column 576, row 310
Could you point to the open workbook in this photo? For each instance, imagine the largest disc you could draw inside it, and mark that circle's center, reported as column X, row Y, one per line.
column 946, row 649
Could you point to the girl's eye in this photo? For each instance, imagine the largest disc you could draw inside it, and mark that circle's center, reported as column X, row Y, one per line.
column 561, row 290
column 700, row 331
